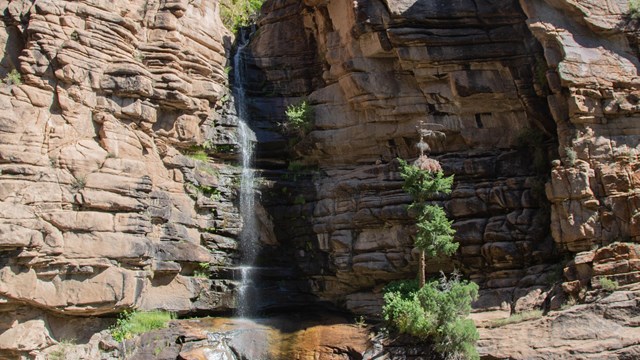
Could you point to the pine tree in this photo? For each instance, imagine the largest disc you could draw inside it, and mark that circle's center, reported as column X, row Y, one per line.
column 435, row 235
column 434, row 310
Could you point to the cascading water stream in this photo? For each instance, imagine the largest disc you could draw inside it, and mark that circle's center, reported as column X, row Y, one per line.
column 246, row 139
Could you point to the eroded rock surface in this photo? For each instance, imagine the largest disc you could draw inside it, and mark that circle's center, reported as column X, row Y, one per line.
column 107, row 204
column 605, row 329
column 100, row 208
column 380, row 68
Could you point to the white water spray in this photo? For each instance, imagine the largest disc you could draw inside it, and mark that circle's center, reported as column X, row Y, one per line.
column 246, row 138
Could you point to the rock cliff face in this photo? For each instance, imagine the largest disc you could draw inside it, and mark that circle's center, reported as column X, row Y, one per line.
column 372, row 71
column 100, row 208
column 108, row 201
column 591, row 51
column 487, row 73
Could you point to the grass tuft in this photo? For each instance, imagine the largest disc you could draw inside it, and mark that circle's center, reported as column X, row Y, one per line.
column 608, row 284
column 132, row 323
column 517, row 318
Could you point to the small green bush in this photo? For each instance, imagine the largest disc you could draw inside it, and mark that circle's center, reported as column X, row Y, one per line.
column 634, row 9
column 202, row 271
column 132, row 323
column 608, row 284
column 299, row 200
column 61, row 352
column 239, row 13
column 360, row 322
column 196, row 153
column 572, row 155
column 13, row 78
column 299, row 118
column 437, row 312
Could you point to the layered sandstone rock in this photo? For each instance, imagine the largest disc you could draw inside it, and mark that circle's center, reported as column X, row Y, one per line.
column 591, row 51
column 106, row 205
column 479, row 73
column 372, row 71
column 99, row 209
column 605, row 329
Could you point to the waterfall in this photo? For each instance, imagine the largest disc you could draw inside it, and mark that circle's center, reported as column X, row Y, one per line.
column 246, row 138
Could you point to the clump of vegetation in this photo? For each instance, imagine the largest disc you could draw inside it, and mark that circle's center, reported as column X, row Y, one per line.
column 571, row 301
column 571, row 154
column 79, row 183
column 517, row 318
column 435, row 234
column 634, row 9
column 437, row 311
column 239, row 13
column 202, row 271
column 195, row 190
column 299, row 200
column 361, row 322
column 209, row 191
column 13, row 78
column 196, row 153
column 608, row 284
column 297, row 169
column 132, row 323
column 299, row 118
column 61, row 352
column 218, row 148
column 138, row 56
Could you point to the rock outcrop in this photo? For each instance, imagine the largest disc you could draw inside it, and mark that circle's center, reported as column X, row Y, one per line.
column 380, row 68
column 591, row 51
column 604, row 329
column 486, row 76
column 101, row 206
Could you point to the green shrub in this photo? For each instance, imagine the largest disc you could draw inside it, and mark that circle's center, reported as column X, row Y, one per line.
column 608, row 284
column 634, row 9
column 202, row 271
column 62, row 350
column 13, row 78
column 437, row 312
column 198, row 155
column 360, row 322
column 299, row 200
column 238, row 13
column 572, row 155
column 132, row 323
column 299, row 118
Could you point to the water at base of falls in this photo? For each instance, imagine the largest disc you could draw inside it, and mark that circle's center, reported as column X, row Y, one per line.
column 246, row 292
column 294, row 335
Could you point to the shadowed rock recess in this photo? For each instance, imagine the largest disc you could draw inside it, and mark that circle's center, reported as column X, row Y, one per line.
column 120, row 163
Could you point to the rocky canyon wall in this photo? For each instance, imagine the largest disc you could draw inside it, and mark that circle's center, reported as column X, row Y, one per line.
column 591, row 50
column 118, row 154
column 105, row 204
column 372, row 71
